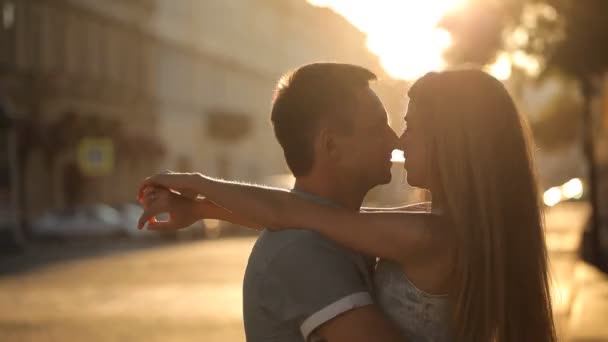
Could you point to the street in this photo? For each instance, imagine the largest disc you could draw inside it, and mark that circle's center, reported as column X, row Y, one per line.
column 191, row 291
column 187, row 291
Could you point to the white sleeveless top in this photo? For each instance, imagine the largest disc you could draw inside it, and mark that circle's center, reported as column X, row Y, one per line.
column 421, row 317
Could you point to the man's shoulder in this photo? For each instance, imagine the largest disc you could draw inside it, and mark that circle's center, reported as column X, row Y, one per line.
column 287, row 237
column 301, row 279
column 291, row 244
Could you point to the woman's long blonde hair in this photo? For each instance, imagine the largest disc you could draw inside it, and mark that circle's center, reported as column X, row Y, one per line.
column 481, row 153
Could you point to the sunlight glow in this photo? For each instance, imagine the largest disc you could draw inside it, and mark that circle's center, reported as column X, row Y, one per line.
column 573, row 189
column 398, row 156
column 501, row 69
column 404, row 34
column 552, row 196
column 529, row 64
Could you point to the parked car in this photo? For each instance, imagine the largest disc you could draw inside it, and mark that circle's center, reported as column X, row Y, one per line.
column 130, row 212
column 214, row 229
column 96, row 220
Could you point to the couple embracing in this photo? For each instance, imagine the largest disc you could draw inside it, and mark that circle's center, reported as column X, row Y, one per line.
column 470, row 266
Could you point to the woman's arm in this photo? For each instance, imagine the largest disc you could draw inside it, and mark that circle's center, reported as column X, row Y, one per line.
column 206, row 209
column 183, row 210
column 393, row 235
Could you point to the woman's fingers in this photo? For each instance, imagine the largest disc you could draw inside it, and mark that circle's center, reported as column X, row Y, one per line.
column 161, row 226
column 183, row 183
column 149, row 214
column 173, row 180
column 160, row 180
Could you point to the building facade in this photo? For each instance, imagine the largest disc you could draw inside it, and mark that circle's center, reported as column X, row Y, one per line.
column 108, row 92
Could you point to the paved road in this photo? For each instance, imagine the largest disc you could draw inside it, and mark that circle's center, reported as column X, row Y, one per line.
column 120, row 291
column 179, row 292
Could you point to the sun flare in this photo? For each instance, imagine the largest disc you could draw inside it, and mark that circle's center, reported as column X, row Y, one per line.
column 404, row 34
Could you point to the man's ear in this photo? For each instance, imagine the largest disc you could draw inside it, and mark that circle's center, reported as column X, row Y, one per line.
column 327, row 142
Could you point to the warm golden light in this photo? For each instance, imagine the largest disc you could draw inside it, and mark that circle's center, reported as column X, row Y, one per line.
column 404, row 33
column 573, row 189
column 501, row 69
column 398, row 156
column 552, row 196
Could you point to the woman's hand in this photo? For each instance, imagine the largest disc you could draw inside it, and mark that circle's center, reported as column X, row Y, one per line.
column 185, row 184
column 182, row 211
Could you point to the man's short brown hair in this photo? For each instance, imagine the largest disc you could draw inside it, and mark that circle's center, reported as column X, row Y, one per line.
column 307, row 96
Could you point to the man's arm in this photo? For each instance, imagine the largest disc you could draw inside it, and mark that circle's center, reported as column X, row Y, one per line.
column 366, row 323
column 318, row 286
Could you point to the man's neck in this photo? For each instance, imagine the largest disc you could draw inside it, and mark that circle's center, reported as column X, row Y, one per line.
column 438, row 199
column 344, row 196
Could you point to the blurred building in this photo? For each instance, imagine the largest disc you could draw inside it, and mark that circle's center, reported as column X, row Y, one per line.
column 107, row 92
column 601, row 117
column 552, row 108
column 77, row 79
column 216, row 80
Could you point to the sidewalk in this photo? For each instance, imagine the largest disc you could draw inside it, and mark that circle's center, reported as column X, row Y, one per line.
column 589, row 314
column 580, row 291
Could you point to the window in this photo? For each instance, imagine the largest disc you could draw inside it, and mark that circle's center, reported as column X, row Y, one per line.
column 228, row 126
column 7, row 32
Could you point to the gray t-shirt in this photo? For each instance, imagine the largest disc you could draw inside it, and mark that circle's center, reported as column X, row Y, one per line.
column 296, row 280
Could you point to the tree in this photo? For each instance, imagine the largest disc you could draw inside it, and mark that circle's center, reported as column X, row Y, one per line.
column 568, row 36
column 557, row 126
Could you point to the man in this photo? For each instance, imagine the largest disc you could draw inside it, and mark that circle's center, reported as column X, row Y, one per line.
column 336, row 140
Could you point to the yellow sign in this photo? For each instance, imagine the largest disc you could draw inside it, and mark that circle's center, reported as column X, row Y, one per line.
column 96, row 156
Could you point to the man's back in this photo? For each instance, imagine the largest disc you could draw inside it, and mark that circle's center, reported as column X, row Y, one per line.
column 295, row 281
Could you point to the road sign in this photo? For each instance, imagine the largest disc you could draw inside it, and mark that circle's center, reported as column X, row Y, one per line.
column 96, row 156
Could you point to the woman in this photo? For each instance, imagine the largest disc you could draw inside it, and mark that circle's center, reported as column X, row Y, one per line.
column 467, row 144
